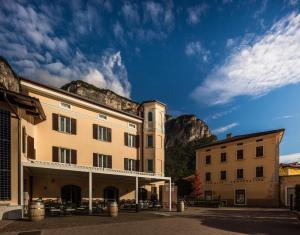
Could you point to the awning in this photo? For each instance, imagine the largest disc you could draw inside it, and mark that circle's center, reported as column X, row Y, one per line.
column 31, row 105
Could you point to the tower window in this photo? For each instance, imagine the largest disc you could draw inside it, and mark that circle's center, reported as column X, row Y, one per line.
column 150, row 117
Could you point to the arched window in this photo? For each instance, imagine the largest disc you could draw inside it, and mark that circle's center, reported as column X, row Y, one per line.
column 150, row 117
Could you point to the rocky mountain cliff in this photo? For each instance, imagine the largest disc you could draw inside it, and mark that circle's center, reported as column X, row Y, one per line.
column 103, row 96
column 185, row 129
column 8, row 78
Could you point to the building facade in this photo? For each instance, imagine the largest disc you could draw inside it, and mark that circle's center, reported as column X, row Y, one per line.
column 56, row 144
column 242, row 170
column 289, row 177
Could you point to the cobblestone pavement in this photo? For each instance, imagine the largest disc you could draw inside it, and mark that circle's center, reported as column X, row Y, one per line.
column 193, row 221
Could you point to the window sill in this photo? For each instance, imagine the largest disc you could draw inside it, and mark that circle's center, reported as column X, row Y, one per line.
column 258, row 157
column 63, row 132
column 242, row 159
column 223, row 161
column 106, row 141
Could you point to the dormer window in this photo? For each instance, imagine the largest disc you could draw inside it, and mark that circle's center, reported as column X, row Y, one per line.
column 150, row 117
column 65, row 105
column 102, row 116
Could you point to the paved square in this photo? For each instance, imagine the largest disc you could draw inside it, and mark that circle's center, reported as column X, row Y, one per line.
column 193, row 221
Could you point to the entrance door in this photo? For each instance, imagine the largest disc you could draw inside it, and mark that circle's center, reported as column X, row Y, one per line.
column 240, row 197
column 290, row 191
column 71, row 194
column 111, row 194
column 142, row 194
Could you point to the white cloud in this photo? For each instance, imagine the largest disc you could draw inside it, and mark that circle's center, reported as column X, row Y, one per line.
column 283, row 117
column 261, row 10
column 267, row 63
column 195, row 13
column 223, row 113
column 115, row 74
column 158, row 17
column 225, row 128
column 118, row 32
column 292, row 2
column 35, row 50
column 130, row 13
column 196, row 49
column 289, row 158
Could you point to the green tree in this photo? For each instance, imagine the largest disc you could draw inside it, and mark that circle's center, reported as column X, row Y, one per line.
column 180, row 160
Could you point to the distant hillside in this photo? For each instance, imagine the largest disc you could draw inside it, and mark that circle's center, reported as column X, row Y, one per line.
column 182, row 134
column 185, row 129
column 101, row 95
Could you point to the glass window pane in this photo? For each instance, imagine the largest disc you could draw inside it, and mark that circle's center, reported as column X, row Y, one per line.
column 62, row 124
column 68, row 125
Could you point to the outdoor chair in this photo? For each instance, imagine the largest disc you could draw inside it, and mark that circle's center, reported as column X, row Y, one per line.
column 55, row 209
column 70, row 208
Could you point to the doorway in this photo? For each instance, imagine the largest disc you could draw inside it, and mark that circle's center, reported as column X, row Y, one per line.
column 240, row 197
column 71, row 194
column 111, row 194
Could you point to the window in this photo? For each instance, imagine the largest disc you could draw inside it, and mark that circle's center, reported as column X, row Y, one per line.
column 5, row 155
column 207, row 176
column 150, row 116
column 223, row 157
column 223, row 175
column 102, row 160
column 150, row 165
column 131, row 125
column 64, row 155
column 208, row 195
column 259, row 171
column 150, row 141
column 208, row 159
column 102, row 116
column 65, row 105
column 260, row 151
column 240, row 173
column 63, row 124
column 240, row 154
column 131, row 164
column 30, row 147
column 131, row 140
column 101, row 133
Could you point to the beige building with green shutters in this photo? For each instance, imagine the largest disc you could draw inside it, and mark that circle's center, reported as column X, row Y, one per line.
column 58, row 144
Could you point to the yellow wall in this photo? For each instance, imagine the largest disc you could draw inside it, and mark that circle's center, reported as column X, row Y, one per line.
column 83, row 142
column 155, row 128
column 285, row 171
column 259, row 191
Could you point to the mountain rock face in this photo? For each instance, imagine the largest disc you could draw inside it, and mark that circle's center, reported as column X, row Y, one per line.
column 103, row 96
column 8, row 79
column 185, row 129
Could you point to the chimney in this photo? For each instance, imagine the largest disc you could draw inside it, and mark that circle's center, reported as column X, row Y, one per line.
column 228, row 136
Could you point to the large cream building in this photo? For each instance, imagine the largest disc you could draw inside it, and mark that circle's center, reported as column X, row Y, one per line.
column 55, row 144
column 242, row 170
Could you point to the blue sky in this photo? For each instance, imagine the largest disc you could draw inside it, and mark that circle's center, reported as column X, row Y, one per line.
column 234, row 64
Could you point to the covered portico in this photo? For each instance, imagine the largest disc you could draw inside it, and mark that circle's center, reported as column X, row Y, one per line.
column 92, row 182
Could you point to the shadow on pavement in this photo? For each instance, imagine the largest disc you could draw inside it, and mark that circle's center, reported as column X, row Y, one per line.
column 250, row 222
